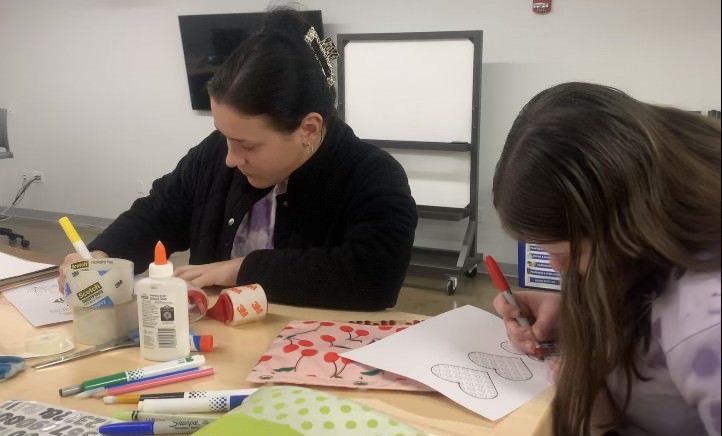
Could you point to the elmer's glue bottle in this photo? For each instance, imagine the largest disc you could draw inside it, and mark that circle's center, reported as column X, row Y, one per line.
column 162, row 311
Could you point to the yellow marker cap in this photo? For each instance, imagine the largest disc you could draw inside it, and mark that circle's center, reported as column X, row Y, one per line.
column 69, row 229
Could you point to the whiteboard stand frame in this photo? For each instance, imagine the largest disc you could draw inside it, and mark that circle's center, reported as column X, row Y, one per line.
column 433, row 261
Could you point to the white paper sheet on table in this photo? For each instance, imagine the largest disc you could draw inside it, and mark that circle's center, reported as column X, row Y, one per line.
column 465, row 355
column 11, row 266
column 40, row 303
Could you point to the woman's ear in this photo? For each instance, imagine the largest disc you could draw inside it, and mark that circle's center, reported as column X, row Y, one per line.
column 311, row 128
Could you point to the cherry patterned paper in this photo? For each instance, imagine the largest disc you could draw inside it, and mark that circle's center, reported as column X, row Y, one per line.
column 307, row 353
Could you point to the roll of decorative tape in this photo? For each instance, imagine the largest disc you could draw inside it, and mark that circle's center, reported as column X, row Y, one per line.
column 240, row 304
column 197, row 303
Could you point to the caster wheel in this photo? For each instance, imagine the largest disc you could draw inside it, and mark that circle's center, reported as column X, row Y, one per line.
column 25, row 243
column 451, row 285
column 472, row 272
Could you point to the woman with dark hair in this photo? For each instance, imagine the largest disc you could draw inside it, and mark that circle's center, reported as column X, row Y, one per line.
column 625, row 197
column 282, row 193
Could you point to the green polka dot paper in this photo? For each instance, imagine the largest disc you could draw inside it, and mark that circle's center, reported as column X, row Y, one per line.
column 315, row 413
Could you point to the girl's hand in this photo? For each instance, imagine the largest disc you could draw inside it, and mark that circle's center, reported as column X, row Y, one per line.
column 542, row 311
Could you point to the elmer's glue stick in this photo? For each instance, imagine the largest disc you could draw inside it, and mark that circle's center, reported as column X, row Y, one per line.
column 162, row 311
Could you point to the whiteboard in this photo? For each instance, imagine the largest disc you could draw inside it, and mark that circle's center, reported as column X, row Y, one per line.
column 436, row 178
column 415, row 90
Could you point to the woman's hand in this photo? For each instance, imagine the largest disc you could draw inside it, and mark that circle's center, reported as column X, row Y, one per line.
column 217, row 273
column 542, row 311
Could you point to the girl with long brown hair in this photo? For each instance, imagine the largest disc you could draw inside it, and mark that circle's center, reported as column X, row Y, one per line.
column 625, row 196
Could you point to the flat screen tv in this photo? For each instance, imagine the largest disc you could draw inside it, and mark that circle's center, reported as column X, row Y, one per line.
column 208, row 40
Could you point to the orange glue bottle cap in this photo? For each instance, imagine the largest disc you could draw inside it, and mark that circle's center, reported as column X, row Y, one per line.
column 160, row 267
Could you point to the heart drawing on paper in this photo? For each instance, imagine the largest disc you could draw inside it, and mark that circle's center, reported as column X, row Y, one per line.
column 510, row 348
column 473, row 382
column 510, row 368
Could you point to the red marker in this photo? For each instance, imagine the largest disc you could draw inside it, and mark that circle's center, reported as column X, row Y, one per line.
column 503, row 286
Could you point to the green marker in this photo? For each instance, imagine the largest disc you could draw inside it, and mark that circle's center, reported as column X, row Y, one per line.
column 124, row 377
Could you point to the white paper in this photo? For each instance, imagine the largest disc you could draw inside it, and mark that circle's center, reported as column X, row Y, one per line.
column 40, row 303
column 465, row 355
column 11, row 266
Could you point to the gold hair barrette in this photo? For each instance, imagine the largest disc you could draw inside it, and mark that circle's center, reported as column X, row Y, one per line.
column 327, row 49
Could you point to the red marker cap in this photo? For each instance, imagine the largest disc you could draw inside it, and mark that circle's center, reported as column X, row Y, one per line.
column 202, row 343
column 496, row 275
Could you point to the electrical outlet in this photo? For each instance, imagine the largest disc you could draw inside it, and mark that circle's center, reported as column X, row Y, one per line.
column 33, row 174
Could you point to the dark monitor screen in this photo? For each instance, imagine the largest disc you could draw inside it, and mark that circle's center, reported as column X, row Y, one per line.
column 208, row 40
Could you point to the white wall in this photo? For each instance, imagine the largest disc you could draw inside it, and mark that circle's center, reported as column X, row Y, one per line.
column 98, row 97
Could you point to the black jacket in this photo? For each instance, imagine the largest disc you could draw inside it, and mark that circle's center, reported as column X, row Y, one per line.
column 343, row 231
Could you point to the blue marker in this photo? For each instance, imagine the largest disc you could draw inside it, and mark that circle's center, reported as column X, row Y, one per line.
column 139, row 428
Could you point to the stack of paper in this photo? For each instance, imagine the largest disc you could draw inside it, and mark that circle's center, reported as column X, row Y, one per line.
column 15, row 271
